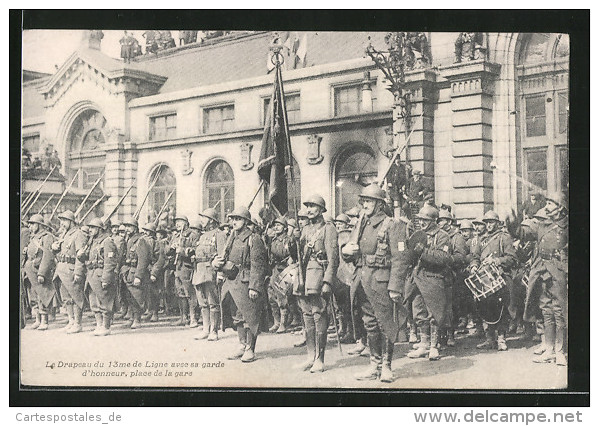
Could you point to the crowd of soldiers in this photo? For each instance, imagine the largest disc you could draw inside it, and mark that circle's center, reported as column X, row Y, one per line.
column 367, row 277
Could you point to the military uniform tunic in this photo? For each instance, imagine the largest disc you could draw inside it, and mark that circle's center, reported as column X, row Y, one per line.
column 102, row 268
column 184, row 242
column 70, row 265
column 40, row 262
column 280, row 252
column 136, row 265
column 209, row 244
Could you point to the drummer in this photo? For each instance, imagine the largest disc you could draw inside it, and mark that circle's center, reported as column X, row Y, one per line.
column 495, row 248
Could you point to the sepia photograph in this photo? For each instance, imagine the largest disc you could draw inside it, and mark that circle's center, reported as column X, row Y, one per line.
column 294, row 209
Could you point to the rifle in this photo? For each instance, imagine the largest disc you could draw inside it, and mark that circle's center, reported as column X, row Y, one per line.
column 163, row 207
column 47, row 202
column 63, row 194
column 78, row 211
column 98, row 201
column 32, row 203
column 107, row 217
column 138, row 211
column 39, row 188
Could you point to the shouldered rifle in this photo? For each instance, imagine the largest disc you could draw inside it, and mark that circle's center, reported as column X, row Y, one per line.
column 38, row 189
column 105, row 219
column 32, row 203
column 98, row 201
column 143, row 202
column 163, row 207
column 229, row 269
column 80, row 208
column 63, row 194
column 47, row 202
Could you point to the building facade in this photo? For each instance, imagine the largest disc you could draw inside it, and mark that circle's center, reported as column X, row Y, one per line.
column 486, row 127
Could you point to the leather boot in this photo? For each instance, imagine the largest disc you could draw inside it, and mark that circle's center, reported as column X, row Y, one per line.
column 182, row 313
column 310, row 337
column 71, row 317
column 376, row 358
column 242, row 336
column 129, row 314
column 44, row 322
column 214, row 323
column 136, row 320
column 248, row 354
column 321, row 344
column 423, row 347
column 193, row 322
column 282, row 324
column 105, row 330
column 154, row 317
column 433, row 353
column 99, row 324
column 386, row 372
column 38, row 320
column 413, row 333
column 78, row 316
column 276, row 314
column 205, row 325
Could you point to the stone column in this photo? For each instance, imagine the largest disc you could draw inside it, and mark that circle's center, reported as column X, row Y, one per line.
column 121, row 171
column 472, row 88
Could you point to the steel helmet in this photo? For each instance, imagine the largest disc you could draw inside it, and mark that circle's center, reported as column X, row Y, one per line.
column 541, row 214
column 302, row 213
column 210, row 213
column 292, row 223
column 557, row 197
column 241, row 212
column 445, row 214
column 491, row 215
column 162, row 229
column 353, row 212
column 282, row 220
column 466, row 224
column 342, row 218
column 183, row 218
column 316, row 200
column 149, row 227
column 106, row 222
column 96, row 223
column 327, row 218
column 115, row 223
column 37, row 218
column 428, row 213
column 374, row 192
column 196, row 224
column 478, row 221
column 68, row 215
column 122, row 227
column 131, row 221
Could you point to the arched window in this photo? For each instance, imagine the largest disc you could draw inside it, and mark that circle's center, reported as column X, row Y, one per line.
column 165, row 184
column 219, row 188
column 355, row 169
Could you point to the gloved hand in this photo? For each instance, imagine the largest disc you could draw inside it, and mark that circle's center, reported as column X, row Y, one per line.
column 253, row 294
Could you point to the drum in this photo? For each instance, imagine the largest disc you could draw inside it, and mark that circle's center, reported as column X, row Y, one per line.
column 485, row 282
column 287, row 280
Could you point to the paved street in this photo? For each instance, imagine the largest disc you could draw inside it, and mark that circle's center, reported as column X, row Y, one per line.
column 55, row 358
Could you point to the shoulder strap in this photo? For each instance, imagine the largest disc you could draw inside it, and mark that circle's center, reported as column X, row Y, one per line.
column 382, row 234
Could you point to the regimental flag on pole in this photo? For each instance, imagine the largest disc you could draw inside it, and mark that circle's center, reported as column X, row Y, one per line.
column 275, row 154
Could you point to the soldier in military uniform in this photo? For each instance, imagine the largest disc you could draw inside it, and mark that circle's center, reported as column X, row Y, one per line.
column 102, row 276
column 135, row 271
column 496, row 247
column 70, row 251
column 210, row 243
column 39, row 267
column 244, row 265
column 320, row 258
column 425, row 289
column 377, row 247
column 167, row 279
column 281, row 246
column 548, row 278
column 196, row 229
column 156, row 269
column 182, row 247
column 346, row 274
column 465, row 301
column 416, row 192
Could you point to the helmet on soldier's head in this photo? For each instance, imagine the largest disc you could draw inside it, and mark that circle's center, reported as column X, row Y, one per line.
column 416, row 172
column 96, row 223
column 373, row 191
column 48, row 224
column 342, row 218
column 558, row 198
column 115, row 223
column 282, row 220
column 302, row 213
column 106, row 222
column 445, row 214
column 37, row 218
column 478, row 221
column 241, row 212
column 292, row 223
column 327, row 218
column 466, row 224
column 183, row 218
column 68, row 215
column 353, row 212
column 541, row 214
column 122, row 228
column 162, row 230
column 149, row 227
column 131, row 221
column 196, row 224
column 490, row 216
column 428, row 213
column 316, row 200
column 210, row 213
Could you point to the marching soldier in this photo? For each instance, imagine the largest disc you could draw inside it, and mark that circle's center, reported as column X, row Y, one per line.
column 39, row 269
column 425, row 289
column 497, row 248
column 548, row 278
column 320, row 255
column 377, row 246
column 118, row 238
column 156, row 269
column 182, row 247
column 244, row 265
column 102, row 264
column 70, row 251
column 281, row 246
column 205, row 276
column 135, row 272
